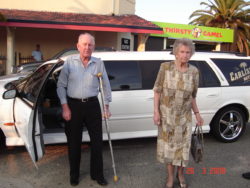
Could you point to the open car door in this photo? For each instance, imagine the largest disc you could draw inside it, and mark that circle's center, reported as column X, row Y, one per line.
column 26, row 113
column 28, row 127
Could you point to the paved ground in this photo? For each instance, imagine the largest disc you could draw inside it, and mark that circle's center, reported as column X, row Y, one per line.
column 136, row 166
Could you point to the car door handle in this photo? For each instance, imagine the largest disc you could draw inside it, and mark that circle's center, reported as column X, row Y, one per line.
column 150, row 98
column 212, row 95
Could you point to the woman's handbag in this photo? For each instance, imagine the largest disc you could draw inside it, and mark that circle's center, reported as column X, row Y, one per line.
column 197, row 144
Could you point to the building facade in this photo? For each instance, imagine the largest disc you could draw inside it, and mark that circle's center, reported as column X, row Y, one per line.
column 56, row 26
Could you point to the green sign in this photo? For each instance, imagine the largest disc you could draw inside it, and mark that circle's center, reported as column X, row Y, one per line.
column 195, row 32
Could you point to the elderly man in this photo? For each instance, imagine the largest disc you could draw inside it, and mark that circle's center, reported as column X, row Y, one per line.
column 77, row 89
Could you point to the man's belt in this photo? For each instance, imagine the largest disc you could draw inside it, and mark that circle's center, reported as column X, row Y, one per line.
column 85, row 99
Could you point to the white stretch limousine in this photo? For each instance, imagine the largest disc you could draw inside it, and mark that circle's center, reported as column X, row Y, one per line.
column 30, row 112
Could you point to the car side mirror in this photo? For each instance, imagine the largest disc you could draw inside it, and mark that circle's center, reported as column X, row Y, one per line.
column 10, row 94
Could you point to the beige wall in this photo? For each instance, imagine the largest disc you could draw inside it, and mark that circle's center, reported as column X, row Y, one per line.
column 106, row 39
column 126, row 36
column 76, row 6
column 51, row 40
column 126, row 6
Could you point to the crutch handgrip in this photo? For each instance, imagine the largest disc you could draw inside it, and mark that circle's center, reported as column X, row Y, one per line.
column 99, row 75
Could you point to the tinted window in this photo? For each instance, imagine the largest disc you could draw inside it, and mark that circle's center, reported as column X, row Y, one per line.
column 207, row 77
column 149, row 71
column 65, row 53
column 28, row 68
column 70, row 52
column 123, row 75
column 236, row 71
column 29, row 88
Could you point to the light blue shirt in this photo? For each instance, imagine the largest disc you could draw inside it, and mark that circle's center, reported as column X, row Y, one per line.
column 37, row 55
column 77, row 81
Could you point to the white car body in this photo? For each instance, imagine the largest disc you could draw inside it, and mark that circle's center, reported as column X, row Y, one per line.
column 132, row 110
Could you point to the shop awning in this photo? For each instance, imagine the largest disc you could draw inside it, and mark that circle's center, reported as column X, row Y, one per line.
column 77, row 21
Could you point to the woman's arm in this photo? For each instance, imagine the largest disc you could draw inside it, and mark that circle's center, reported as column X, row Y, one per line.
column 196, row 112
column 157, row 119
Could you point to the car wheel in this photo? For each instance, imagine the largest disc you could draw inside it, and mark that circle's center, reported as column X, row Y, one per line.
column 229, row 124
column 2, row 140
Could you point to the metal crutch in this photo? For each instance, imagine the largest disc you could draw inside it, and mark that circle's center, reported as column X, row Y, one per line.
column 99, row 75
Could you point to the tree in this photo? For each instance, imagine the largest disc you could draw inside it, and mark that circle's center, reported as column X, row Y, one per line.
column 233, row 14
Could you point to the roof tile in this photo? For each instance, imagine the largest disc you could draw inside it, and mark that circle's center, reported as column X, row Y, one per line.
column 15, row 15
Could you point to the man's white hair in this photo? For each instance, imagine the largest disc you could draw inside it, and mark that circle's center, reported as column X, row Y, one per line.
column 86, row 34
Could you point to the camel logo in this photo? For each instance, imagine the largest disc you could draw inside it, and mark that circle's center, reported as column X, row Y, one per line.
column 196, row 32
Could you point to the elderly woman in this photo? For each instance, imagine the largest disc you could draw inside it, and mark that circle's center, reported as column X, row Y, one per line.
column 174, row 96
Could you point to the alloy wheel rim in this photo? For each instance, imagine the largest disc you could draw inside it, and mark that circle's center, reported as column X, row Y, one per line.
column 230, row 125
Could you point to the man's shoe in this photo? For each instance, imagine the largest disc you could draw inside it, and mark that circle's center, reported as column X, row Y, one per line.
column 74, row 182
column 246, row 175
column 101, row 181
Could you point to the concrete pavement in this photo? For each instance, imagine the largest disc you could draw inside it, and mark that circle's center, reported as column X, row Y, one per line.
column 136, row 166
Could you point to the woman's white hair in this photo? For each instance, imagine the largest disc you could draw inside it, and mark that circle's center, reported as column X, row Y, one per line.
column 183, row 42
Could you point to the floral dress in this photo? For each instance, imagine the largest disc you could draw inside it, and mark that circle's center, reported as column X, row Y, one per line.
column 176, row 92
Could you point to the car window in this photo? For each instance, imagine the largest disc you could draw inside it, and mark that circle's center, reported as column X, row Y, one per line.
column 65, row 52
column 207, row 77
column 70, row 52
column 29, row 88
column 123, row 75
column 28, row 68
column 149, row 71
column 236, row 71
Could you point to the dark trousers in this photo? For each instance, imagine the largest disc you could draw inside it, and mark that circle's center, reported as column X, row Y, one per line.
column 88, row 114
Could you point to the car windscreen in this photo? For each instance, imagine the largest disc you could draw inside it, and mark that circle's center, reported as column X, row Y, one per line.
column 236, row 71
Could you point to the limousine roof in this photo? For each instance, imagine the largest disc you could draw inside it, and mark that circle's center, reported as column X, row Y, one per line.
column 155, row 55
column 161, row 55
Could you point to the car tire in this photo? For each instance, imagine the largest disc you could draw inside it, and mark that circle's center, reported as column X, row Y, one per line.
column 229, row 124
column 2, row 141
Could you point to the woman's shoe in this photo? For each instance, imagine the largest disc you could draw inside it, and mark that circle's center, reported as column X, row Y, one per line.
column 166, row 186
column 246, row 175
column 182, row 184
